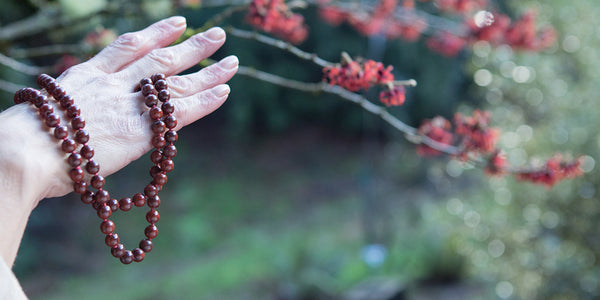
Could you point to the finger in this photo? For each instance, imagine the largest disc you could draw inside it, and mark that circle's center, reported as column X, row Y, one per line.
column 132, row 45
column 218, row 73
column 174, row 59
column 192, row 108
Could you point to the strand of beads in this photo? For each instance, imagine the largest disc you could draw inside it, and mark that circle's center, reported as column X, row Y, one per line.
column 154, row 90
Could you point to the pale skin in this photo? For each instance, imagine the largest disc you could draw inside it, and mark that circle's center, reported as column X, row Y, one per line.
column 32, row 166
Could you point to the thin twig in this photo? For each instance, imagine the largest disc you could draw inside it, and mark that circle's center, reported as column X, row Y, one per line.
column 19, row 66
column 49, row 50
column 367, row 105
column 250, row 35
column 9, row 87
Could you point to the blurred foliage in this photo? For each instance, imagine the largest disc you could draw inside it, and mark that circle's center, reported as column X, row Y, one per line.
column 283, row 193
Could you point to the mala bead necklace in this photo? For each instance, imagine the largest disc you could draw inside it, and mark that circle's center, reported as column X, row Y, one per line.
column 156, row 97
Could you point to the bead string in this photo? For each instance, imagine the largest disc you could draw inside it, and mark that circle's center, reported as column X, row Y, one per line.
column 154, row 90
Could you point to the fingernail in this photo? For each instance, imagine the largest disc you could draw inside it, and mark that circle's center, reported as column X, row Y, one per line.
column 176, row 21
column 215, row 34
column 229, row 63
column 221, row 90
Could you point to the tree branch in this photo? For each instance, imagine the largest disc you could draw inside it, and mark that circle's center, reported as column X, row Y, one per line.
column 249, row 35
column 19, row 66
column 410, row 132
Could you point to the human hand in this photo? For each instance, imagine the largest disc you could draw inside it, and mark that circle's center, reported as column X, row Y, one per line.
column 116, row 118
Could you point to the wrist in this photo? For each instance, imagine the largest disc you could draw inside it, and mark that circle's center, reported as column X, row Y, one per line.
column 30, row 158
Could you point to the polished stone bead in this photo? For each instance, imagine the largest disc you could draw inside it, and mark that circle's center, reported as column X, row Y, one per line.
column 118, row 250
column 139, row 200
column 112, row 239
column 61, row 132
column 104, row 212
column 170, row 151
column 138, row 254
column 156, row 113
column 68, row 145
column 150, row 190
column 76, row 174
column 151, row 231
column 80, row 187
column 87, row 197
column 125, row 204
column 171, row 136
column 92, row 167
column 127, row 257
column 167, row 165
column 101, row 196
column 152, row 216
column 113, row 204
column 153, row 202
column 87, row 152
column 146, row 245
column 107, row 227
column 168, row 108
column 81, row 136
column 73, row 111
column 97, row 181
column 170, row 122
column 78, row 123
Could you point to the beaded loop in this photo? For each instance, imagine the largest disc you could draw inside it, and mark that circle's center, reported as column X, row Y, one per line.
column 154, row 90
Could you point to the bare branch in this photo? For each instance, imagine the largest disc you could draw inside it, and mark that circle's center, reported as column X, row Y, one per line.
column 9, row 87
column 409, row 131
column 19, row 66
column 278, row 44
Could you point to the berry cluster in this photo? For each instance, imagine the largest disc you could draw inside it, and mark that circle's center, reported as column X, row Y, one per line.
column 477, row 137
column 471, row 133
column 356, row 75
column 437, row 129
column 381, row 20
column 554, row 170
column 275, row 17
column 446, row 43
column 521, row 34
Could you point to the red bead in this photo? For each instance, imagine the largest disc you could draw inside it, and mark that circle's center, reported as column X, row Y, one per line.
column 18, row 97
column 145, row 80
column 160, row 178
column 81, row 136
column 170, row 122
column 158, row 127
column 46, row 109
column 118, row 250
column 151, row 231
column 139, row 200
column 73, row 111
column 92, row 167
column 146, row 245
column 171, row 136
column 61, row 132
column 170, row 151
column 80, row 187
column 113, row 204
column 158, row 141
column 74, row 159
column 78, row 123
column 150, row 190
column 96, row 206
column 153, row 202
column 52, row 120
column 154, row 170
column 168, row 108
column 107, row 227
column 127, row 257
column 138, row 254
column 87, row 152
column 160, row 85
column 104, row 212
column 156, row 77
column 156, row 156
column 43, row 79
column 76, row 174
column 151, row 100
column 112, row 239
column 152, row 216
column 58, row 92
column 97, row 181
column 164, row 96
column 156, row 113
column 87, row 197
column 39, row 100
column 167, row 165
column 51, row 86
column 68, row 145
column 101, row 196
column 66, row 101
column 125, row 204
column 147, row 89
